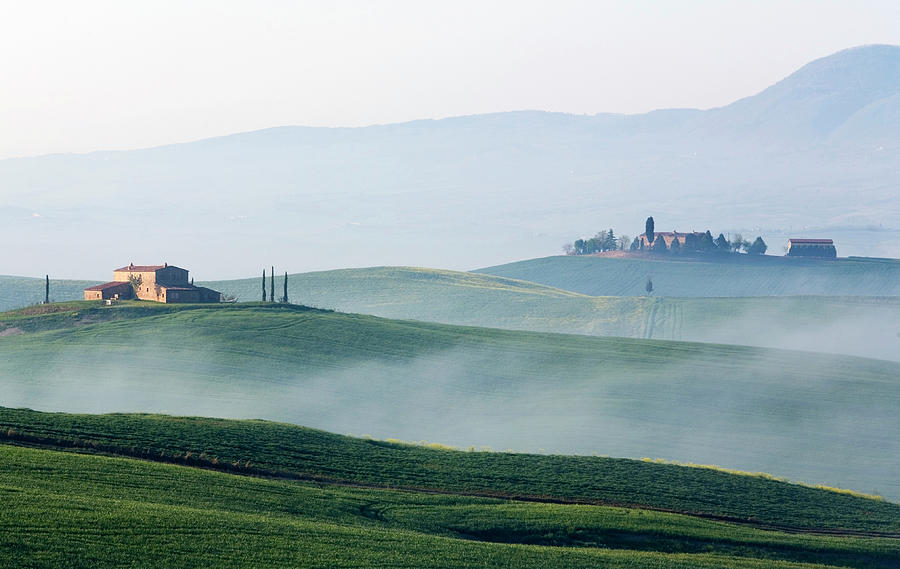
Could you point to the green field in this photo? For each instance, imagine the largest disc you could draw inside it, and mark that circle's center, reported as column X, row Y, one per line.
column 816, row 323
column 808, row 417
column 288, row 451
column 16, row 292
column 70, row 510
column 862, row 326
column 739, row 275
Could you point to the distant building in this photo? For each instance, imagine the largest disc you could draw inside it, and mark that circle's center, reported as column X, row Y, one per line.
column 159, row 283
column 668, row 237
column 812, row 248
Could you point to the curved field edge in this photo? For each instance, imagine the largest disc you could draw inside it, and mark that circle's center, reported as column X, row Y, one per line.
column 63, row 509
column 286, row 450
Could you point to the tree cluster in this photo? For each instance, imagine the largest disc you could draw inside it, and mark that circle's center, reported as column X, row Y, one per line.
column 685, row 243
column 271, row 296
column 599, row 243
column 693, row 243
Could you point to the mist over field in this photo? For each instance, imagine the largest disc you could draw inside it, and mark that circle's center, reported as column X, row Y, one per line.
column 809, row 417
column 815, row 155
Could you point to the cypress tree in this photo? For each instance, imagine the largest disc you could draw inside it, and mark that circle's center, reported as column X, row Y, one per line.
column 284, row 299
column 675, row 247
column 722, row 244
column 264, row 285
column 649, row 286
column 659, row 246
column 648, row 230
column 47, row 289
column 272, row 285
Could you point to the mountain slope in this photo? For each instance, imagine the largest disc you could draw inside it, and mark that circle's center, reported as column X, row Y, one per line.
column 478, row 190
column 789, row 413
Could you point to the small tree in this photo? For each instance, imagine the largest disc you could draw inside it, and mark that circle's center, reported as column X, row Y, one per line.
column 136, row 282
column 659, row 246
column 46, row 289
column 568, row 249
column 649, row 286
column 648, row 230
column 284, row 298
column 264, row 285
column 758, row 247
column 272, row 286
column 722, row 244
column 675, row 247
column 738, row 243
column 624, row 241
column 636, row 244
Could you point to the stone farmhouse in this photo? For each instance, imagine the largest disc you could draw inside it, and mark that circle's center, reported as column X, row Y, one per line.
column 159, row 283
column 811, row 248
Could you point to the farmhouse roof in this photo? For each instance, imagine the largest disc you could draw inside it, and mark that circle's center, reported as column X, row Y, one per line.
column 105, row 286
column 813, row 241
column 142, row 268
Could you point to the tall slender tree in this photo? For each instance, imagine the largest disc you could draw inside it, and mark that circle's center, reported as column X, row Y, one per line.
column 284, row 298
column 648, row 230
column 264, row 285
column 272, row 285
column 47, row 289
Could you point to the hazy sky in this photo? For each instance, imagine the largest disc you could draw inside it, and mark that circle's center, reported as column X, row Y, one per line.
column 87, row 75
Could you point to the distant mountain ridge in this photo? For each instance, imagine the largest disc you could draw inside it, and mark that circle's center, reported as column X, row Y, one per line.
column 819, row 149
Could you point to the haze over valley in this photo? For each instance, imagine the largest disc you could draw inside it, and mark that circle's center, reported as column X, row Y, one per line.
column 522, row 333
column 814, row 155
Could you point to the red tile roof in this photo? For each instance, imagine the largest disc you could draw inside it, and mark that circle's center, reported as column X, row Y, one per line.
column 105, row 286
column 813, row 241
column 141, row 268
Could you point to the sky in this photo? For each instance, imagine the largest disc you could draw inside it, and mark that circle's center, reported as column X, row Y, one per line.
column 91, row 75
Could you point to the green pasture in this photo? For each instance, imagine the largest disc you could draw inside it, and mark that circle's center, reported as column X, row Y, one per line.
column 279, row 449
column 74, row 510
column 16, row 292
column 737, row 275
column 865, row 326
column 813, row 418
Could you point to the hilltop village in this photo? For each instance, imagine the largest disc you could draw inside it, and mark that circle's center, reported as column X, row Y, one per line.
column 693, row 243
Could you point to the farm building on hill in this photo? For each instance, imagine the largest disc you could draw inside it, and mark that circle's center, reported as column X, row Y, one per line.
column 811, row 248
column 668, row 237
column 159, row 283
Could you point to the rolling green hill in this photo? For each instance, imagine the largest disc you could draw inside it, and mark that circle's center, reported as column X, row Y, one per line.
column 16, row 292
column 72, row 510
column 809, row 417
column 287, row 451
column 738, row 275
column 863, row 326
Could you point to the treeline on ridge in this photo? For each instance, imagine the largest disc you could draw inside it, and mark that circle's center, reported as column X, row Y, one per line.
column 674, row 242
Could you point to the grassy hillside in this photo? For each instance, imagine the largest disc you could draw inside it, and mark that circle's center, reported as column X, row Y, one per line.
column 809, row 417
column 862, row 326
column 289, row 451
column 16, row 292
column 740, row 275
column 71, row 510
column 827, row 324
